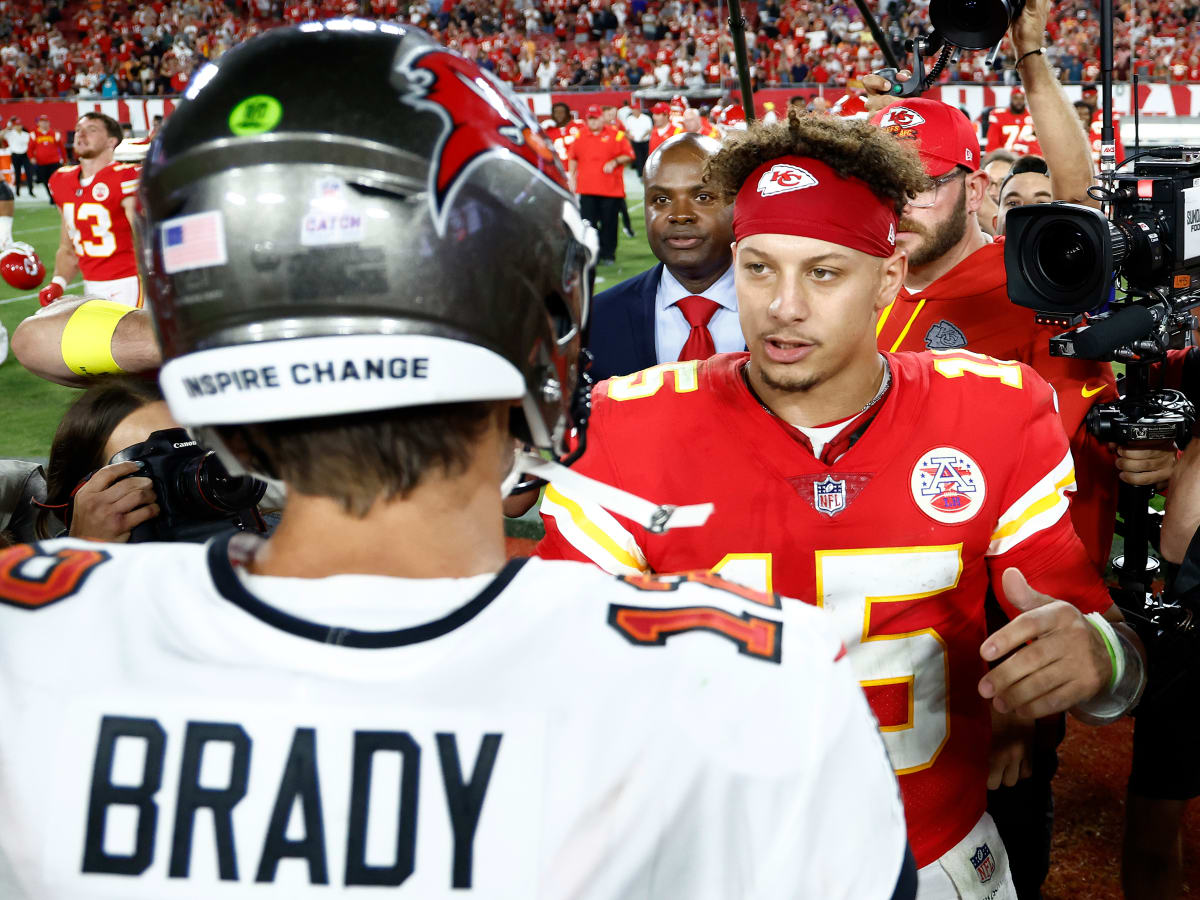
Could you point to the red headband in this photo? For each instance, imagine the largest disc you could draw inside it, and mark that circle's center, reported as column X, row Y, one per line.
column 802, row 196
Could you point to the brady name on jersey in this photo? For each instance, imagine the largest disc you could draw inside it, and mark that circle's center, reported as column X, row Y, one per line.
column 962, row 473
column 323, row 733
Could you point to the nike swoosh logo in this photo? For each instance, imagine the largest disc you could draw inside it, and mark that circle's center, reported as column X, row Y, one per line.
column 1086, row 393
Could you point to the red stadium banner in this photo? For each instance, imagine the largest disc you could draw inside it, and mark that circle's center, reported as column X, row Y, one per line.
column 1159, row 99
column 137, row 111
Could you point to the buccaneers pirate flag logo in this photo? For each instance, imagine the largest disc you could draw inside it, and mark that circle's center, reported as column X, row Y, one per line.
column 479, row 121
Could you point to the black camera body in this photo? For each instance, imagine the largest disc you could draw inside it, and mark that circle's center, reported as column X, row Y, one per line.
column 1062, row 258
column 974, row 24
column 197, row 496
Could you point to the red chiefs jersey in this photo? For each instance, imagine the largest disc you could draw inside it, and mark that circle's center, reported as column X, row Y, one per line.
column 591, row 152
column 561, row 137
column 96, row 220
column 658, row 135
column 1094, row 137
column 1012, row 131
column 46, row 148
column 968, row 307
column 961, row 474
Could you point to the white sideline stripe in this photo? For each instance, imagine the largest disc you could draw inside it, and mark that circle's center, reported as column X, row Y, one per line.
column 41, row 228
column 35, row 293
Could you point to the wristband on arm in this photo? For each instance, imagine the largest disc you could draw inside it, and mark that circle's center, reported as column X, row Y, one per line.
column 87, row 338
column 1126, row 684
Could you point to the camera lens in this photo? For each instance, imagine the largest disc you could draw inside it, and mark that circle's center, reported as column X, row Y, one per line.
column 211, row 491
column 973, row 24
column 972, row 16
column 1065, row 257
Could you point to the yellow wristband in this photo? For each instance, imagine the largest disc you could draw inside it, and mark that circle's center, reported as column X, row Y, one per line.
column 87, row 338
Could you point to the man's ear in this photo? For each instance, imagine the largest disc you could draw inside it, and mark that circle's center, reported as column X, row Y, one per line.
column 892, row 272
column 975, row 186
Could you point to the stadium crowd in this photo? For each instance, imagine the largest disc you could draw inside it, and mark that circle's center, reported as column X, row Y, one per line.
column 112, row 48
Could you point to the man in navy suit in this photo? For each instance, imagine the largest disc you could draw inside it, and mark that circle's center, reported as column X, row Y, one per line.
column 685, row 307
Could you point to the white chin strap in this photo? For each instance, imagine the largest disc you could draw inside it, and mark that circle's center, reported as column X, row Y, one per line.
column 654, row 517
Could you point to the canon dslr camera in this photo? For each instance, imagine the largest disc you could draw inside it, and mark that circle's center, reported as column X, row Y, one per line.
column 197, row 496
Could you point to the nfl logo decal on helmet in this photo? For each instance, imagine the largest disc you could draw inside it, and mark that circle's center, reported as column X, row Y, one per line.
column 948, row 486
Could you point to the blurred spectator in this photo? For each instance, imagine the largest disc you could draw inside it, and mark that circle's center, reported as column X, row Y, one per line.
column 596, row 162
column 551, row 44
column 48, row 151
column 996, row 165
column 16, row 138
column 637, row 127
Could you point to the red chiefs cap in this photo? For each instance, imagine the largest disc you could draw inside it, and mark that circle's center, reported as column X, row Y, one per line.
column 1017, row 92
column 661, row 108
column 945, row 137
column 594, row 112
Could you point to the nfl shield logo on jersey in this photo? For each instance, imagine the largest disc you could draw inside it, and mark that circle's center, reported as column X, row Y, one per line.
column 829, row 496
column 948, row 485
column 984, row 863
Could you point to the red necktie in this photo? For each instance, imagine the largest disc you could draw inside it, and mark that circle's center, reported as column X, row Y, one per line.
column 698, row 310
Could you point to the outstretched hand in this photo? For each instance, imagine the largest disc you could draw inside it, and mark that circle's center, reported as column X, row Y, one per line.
column 1057, row 658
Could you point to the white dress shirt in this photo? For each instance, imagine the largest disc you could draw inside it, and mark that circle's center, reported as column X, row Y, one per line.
column 671, row 329
column 18, row 140
column 637, row 127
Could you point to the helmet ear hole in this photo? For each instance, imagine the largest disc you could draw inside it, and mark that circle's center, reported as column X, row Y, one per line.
column 562, row 323
column 518, row 426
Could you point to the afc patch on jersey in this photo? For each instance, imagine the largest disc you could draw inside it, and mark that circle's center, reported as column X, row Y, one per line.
column 948, row 486
column 945, row 335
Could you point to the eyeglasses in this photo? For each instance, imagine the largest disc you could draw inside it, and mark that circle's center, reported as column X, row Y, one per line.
column 929, row 197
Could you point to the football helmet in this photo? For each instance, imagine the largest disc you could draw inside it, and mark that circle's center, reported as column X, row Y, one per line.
column 21, row 267
column 346, row 216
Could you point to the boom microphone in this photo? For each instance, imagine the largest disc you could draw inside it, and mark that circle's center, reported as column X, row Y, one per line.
column 1124, row 327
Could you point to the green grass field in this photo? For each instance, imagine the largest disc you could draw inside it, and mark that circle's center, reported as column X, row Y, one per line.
column 30, row 407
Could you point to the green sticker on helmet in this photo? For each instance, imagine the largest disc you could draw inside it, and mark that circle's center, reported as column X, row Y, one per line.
column 255, row 115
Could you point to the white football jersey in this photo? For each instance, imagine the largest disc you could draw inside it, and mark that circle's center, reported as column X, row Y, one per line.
column 174, row 727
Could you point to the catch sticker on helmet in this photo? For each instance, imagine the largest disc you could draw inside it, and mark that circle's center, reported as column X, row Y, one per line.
column 255, row 115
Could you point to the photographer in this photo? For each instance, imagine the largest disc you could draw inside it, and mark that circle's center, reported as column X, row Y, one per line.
column 84, row 495
column 100, row 500
column 1163, row 775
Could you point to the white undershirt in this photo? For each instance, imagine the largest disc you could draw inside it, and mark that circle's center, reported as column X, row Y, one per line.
column 823, row 434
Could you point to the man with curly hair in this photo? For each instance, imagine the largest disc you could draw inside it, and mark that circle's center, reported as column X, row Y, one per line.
column 890, row 489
